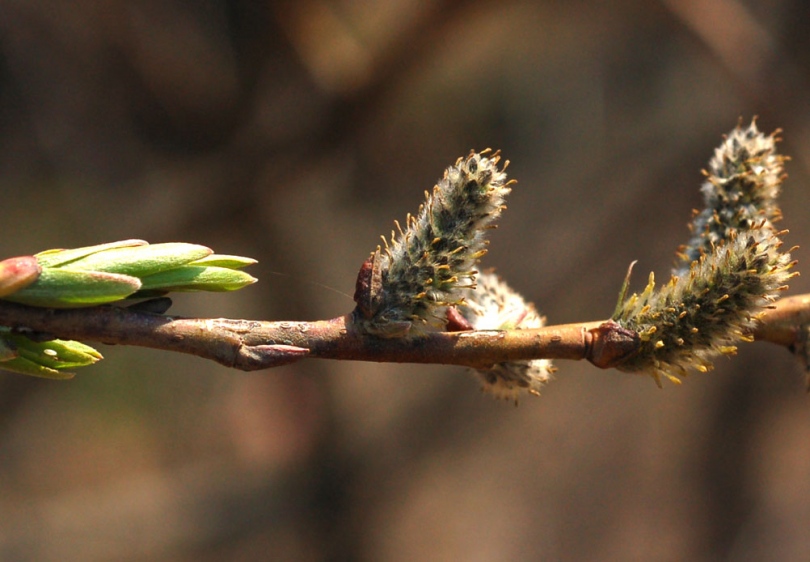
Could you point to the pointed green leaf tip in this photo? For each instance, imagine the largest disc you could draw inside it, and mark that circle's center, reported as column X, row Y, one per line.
column 198, row 278
column 228, row 262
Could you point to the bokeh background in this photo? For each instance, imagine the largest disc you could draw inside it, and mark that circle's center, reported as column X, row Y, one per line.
column 295, row 133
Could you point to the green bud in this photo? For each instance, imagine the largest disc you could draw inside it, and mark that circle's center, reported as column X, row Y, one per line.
column 17, row 273
column 55, row 354
column 197, row 278
column 25, row 366
column 43, row 359
column 65, row 288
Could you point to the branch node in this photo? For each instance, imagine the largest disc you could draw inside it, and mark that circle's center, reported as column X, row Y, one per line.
column 258, row 357
column 610, row 345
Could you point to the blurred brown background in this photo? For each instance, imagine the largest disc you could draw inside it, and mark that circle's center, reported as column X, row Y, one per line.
column 295, row 133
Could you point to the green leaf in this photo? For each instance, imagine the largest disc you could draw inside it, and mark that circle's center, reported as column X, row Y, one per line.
column 221, row 260
column 197, row 278
column 59, row 257
column 140, row 261
column 65, row 288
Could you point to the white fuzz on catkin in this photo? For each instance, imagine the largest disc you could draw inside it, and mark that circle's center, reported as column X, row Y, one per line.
column 493, row 305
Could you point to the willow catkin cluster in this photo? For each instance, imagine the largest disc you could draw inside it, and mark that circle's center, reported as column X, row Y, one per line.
column 730, row 271
column 493, row 305
column 405, row 287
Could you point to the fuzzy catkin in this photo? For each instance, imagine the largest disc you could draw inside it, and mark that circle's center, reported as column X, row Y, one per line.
column 424, row 268
column 493, row 305
column 743, row 180
column 709, row 309
column 730, row 271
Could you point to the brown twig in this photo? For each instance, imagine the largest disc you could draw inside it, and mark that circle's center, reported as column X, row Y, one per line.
column 252, row 345
column 783, row 324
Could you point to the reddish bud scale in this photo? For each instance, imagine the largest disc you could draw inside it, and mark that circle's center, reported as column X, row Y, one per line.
column 368, row 286
column 17, row 273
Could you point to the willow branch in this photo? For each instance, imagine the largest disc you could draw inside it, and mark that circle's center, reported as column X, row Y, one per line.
column 252, row 345
column 785, row 323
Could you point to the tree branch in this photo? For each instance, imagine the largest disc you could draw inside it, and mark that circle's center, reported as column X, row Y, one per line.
column 251, row 345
